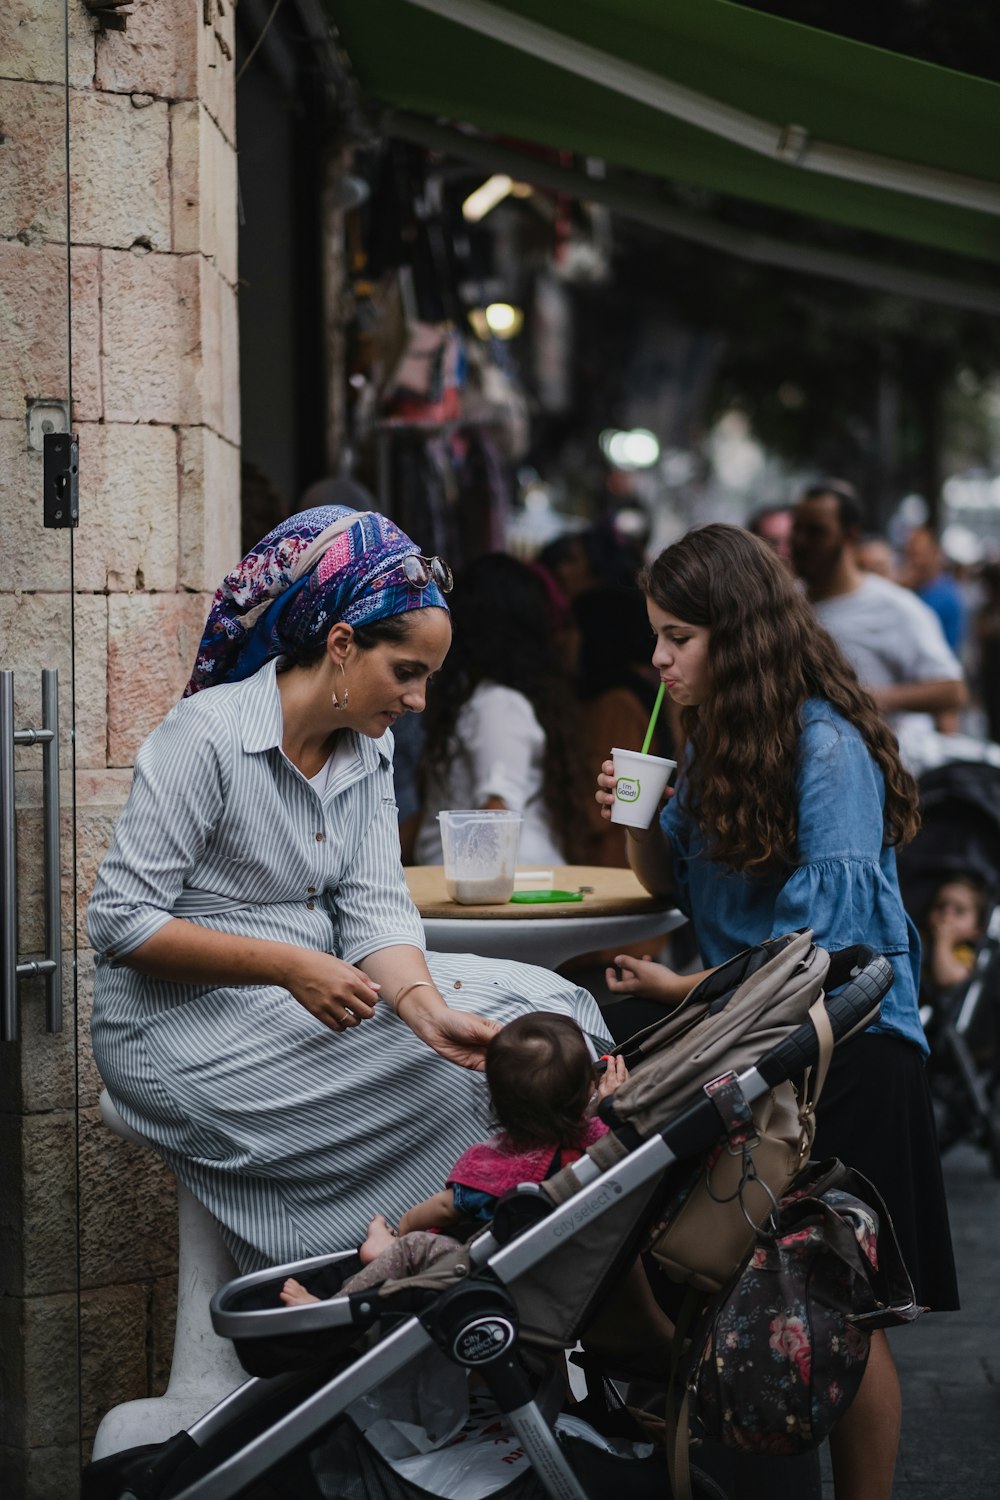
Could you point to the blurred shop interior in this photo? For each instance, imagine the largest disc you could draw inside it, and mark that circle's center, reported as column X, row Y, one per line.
column 504, row 339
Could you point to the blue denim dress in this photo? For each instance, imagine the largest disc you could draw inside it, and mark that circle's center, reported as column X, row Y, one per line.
column 843, row 883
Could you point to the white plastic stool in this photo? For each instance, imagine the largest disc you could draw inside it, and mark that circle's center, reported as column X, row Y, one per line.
column 204, row 1368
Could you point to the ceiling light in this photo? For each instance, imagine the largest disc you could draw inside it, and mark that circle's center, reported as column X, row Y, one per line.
column 493, row 191
column 499, row 320
column 503, row 319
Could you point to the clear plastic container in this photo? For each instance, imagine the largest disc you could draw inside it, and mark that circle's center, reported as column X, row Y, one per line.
column 480, row 853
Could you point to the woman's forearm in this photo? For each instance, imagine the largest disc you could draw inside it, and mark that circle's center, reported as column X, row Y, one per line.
column 190, row 954
column 402, row 973
column 649, row 858
column 406, row 984
column 338, row 994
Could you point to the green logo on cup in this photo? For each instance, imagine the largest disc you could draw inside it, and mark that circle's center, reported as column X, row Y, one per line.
column 628, row 789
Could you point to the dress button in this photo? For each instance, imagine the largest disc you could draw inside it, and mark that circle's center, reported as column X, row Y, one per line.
column 310, row 906
column 320, row 838
column 311, row 890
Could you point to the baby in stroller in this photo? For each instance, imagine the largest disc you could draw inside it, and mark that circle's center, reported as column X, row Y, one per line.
column 544, row 1096
column 954, row 925
column 950, row 876
column 959, row 998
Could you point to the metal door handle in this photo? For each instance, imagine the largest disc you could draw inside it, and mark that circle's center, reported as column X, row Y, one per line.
column 51, row 965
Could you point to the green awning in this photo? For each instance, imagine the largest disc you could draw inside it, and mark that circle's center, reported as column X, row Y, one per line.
column 837, row 130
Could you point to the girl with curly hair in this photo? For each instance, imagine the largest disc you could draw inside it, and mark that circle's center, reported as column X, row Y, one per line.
column 502, row 721
column 789, row 804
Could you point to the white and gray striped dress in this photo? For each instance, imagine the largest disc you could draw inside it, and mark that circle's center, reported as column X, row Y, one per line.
column 292, row 1135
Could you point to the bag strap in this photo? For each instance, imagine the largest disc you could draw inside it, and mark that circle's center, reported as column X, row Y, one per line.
column 815, row 1076
column 555, row 1165
column 606, row 1151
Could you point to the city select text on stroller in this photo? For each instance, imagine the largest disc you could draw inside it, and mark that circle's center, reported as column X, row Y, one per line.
column 506, row 1305
column 960, row 837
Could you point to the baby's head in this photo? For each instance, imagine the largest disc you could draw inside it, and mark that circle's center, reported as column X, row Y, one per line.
column 963, row 900
column 540, row 1077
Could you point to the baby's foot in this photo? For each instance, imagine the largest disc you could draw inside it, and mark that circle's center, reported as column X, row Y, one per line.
column 380, row 1237
column 294, row 1294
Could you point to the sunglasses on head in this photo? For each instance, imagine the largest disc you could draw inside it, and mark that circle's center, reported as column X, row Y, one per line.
column 420, row 571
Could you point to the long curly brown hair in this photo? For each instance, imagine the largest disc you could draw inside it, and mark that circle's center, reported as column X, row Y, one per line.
column 767, row 654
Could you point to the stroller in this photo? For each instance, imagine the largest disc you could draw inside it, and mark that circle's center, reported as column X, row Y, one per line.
column 511, row 1300
column 960, row 835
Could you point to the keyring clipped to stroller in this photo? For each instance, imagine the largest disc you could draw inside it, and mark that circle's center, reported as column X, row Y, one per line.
column 498, row 1309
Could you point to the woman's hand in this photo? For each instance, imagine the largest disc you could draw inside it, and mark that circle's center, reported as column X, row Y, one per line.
column 457, row 1035
column 648, row 980
column 335, row 992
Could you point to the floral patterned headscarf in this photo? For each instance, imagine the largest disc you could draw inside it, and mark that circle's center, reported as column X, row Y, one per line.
column 316, row 569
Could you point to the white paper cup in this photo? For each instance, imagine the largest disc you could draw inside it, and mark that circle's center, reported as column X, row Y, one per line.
column 641, row 779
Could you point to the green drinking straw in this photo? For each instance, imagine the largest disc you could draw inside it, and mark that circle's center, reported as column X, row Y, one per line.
column 652, row 720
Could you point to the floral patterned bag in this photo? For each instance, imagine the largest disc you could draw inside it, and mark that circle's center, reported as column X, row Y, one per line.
column 779, row 1355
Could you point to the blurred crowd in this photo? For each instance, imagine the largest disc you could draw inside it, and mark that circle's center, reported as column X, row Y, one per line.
column 550, row 667
column 963, row 596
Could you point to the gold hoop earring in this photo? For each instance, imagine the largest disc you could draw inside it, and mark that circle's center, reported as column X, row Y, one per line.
column 335, row 700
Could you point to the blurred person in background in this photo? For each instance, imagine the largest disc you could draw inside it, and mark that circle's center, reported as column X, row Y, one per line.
column 773, row 524
column 925, row 572
column 986, row 629
column 891, row 638
column 503, row 728
column 572, row 561
column 607, row 554
column 876, row 555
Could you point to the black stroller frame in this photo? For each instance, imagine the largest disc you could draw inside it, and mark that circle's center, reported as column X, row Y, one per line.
column 473, row 1322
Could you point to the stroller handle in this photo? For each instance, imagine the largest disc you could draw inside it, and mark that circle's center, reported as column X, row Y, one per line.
column 855, row 1005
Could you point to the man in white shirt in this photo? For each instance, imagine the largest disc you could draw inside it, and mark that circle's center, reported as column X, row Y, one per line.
column 891, row 638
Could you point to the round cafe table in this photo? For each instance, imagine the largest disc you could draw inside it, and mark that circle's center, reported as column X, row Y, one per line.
column 615, row 910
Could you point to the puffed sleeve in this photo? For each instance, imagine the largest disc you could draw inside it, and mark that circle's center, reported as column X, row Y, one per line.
column 176, row 799
column 841, row 887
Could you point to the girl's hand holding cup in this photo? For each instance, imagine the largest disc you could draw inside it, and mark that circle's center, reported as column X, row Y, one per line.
column 632, row 787
column 606, row 788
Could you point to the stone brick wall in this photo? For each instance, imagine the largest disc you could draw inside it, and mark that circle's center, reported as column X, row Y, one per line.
column 87, row 1258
